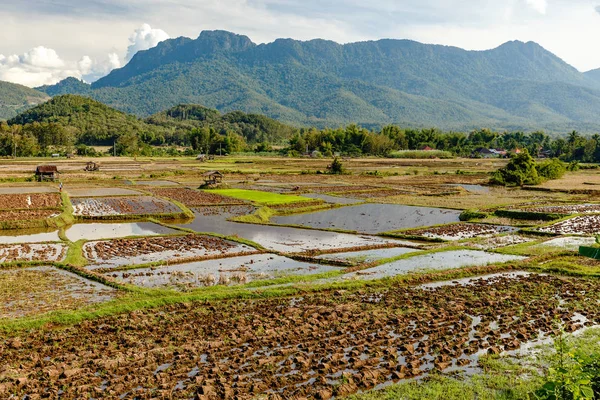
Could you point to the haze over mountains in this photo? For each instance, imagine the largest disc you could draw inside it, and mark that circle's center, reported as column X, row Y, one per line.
column 515, row 86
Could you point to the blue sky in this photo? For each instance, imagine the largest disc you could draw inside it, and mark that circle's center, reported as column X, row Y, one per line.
column 42, row 41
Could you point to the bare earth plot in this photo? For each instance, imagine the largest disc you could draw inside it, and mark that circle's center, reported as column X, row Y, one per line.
column 314, row 346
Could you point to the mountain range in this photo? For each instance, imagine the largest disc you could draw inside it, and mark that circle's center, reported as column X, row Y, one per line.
column 517, row 86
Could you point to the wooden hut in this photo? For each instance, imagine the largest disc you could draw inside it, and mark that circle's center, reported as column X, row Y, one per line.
column 212, row 177
column 46, row 173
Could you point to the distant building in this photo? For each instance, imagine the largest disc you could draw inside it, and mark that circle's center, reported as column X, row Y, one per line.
column 427, row 148
column 46, row 173
column 212, row 177
column 483, row 152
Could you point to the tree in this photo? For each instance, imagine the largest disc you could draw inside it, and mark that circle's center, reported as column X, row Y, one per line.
column 521, row 170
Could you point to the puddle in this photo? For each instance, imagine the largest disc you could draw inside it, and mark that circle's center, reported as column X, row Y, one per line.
column 121, row 252
column 373, row 218
column 367, row 256
column 228, row 271
column 156, row 183
column 97, row 231
column 43, row 289
column 22, row 236
column 332, row 199
column 100, row 192
column 435, row 261
column 278, row 238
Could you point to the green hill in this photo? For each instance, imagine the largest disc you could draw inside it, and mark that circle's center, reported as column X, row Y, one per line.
column 16, row 98
column 95, row 123
column 517, row 85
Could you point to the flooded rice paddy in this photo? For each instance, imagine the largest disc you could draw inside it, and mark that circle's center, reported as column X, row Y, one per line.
column 97, row 231
column 435, row 261
column 367, row 256
column 32, row 252
column 284, row 239
column 372, row 218
column 24, row 236
column 110, row 206
column 227, row 271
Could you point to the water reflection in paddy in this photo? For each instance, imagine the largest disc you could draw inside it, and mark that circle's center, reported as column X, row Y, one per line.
column 373, row 218
column 214, row 219
column 96, row 231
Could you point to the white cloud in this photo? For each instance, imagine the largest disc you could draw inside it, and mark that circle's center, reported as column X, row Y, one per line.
column 38, row 66
column 92, row 70
column 145, row 37
column 540, row 6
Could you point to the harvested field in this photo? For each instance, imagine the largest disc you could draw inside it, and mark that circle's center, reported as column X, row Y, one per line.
column 460, row 231
column 338, row 189
column 292, row 206
column 156, row 183
column 101, row 192
column 372, row 194
column 192, row 198
column 583, row 225
column 29, row 201
column 227, row 271
column 38, row 290
column 27, row 215
column 316, row 346
column 567, row 243
column 120, row 252
column 332, row 199
column 33, row 252
column 139, row 205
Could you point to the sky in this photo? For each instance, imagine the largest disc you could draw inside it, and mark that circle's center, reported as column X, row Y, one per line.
column 44, row 41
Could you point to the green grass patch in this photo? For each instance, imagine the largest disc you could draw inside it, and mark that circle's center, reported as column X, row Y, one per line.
column 256, row 196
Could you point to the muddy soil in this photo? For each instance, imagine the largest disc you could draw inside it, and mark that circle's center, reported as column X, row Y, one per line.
column 32, row 252
column 191, row 197
column 29, row 201
column 315, row 346
column 139, row 205
column 567, row 209
column 119, row 252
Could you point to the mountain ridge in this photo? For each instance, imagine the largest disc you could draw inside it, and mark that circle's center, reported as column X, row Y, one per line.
column 323, row 83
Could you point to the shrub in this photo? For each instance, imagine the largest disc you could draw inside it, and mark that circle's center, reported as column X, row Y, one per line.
column 521, row 170
column 551, row 169
column 469, row 215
